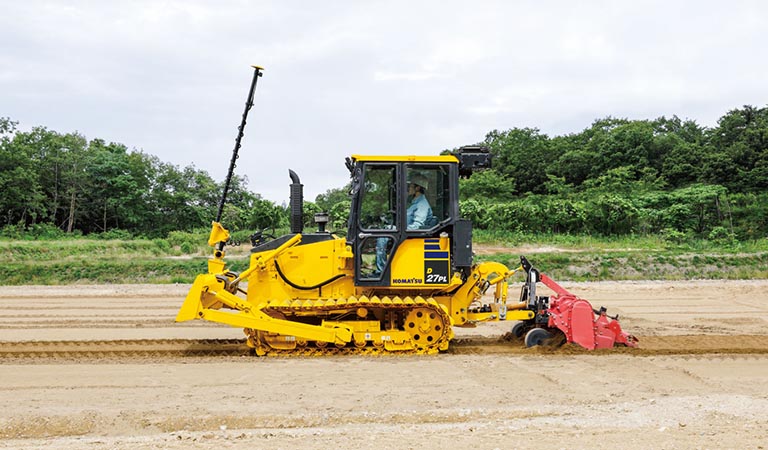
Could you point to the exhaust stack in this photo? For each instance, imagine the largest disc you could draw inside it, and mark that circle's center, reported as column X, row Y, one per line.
column 297, row 203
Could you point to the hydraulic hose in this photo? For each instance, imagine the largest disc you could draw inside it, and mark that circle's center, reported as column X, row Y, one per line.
column 306, row 288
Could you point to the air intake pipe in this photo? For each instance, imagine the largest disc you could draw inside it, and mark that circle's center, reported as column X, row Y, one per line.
column 297, row 203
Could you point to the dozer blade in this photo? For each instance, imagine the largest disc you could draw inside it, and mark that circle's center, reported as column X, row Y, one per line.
column 207, row 295
column 192, row 305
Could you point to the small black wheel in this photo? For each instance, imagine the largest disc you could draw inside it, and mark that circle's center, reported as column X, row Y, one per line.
column 537, row 336
column 518, row 330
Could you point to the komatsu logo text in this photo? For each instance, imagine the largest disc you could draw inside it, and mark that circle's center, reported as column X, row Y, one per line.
column 407, row 281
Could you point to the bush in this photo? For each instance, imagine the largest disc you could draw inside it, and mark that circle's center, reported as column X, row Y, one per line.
column 45, row 231
column 162, row 245
column 721, row 236
column 476, row 212
column 188, row 248
column 674, row 236
column 340, row 215
column 11, row 231
column 179, row 238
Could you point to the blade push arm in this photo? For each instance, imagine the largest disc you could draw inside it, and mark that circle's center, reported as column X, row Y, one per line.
column 208, row 295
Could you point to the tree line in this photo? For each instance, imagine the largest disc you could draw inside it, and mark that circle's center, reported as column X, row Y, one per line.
column 52, row 181
column 618, row 176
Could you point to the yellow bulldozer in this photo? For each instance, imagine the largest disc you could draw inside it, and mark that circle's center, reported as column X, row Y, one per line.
column 399, row 281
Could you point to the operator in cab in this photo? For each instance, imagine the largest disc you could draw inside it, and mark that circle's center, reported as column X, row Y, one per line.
column 419, row 213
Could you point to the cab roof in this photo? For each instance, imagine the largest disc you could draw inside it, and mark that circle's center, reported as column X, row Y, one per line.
column 406, row 158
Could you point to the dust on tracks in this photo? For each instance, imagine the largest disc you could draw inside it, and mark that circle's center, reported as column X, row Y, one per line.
column 649, row 346
column 152, row 350
column 141, row 349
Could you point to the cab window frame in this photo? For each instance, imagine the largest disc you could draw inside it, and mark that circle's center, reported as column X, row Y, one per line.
column 393, row 199
column 443, row 171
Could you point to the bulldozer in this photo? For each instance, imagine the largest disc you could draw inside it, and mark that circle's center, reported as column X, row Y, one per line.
column 400, row 280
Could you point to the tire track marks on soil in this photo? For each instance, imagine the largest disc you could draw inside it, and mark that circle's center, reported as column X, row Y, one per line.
column 44, row 351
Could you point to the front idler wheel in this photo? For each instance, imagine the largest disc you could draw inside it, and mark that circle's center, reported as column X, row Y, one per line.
column 538, row 336
column 518, row 330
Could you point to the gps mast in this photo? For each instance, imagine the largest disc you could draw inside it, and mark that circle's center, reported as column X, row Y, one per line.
column 219, row 235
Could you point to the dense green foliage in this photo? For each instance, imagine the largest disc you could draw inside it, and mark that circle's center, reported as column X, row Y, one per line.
column 667, row 177
column 54, row 181
column 624, row 177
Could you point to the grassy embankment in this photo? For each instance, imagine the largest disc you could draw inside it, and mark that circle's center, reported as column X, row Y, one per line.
column 589, row 258
column 180, row 257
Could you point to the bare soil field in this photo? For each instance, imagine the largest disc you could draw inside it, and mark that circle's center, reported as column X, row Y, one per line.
column 106, row 367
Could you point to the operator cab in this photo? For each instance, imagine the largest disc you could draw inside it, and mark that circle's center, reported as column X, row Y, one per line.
column 404, row 224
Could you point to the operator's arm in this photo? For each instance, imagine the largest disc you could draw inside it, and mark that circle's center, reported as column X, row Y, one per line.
column 417, row 214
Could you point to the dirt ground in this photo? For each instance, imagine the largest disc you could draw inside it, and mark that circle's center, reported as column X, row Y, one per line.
column 699, row 380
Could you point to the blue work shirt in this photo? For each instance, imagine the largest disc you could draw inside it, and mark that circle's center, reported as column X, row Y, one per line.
column 419, row 213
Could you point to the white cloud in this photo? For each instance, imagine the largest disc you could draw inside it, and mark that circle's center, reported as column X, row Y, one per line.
column 362, row 77
column 411, row 76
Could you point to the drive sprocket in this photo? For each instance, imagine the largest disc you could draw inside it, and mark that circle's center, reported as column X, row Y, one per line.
column 426, row 326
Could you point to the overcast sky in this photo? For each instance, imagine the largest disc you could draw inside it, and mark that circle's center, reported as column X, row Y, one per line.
column 170, row 78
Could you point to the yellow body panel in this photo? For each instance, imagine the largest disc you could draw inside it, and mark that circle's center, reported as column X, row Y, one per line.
column 303, row 265
column 421, row 263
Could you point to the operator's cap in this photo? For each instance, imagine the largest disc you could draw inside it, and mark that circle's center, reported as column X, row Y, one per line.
column 419, row 180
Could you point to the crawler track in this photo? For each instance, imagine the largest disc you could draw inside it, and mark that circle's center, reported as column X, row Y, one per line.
column 163, row 349
column 142, row 348
column 649, row 346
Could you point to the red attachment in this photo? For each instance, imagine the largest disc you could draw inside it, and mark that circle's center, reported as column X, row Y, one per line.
column 575, row 317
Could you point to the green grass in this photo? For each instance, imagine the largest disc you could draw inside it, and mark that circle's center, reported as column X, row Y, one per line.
column 589, row 258
column 68, row 261
column 182, row 256
column 628, row 242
